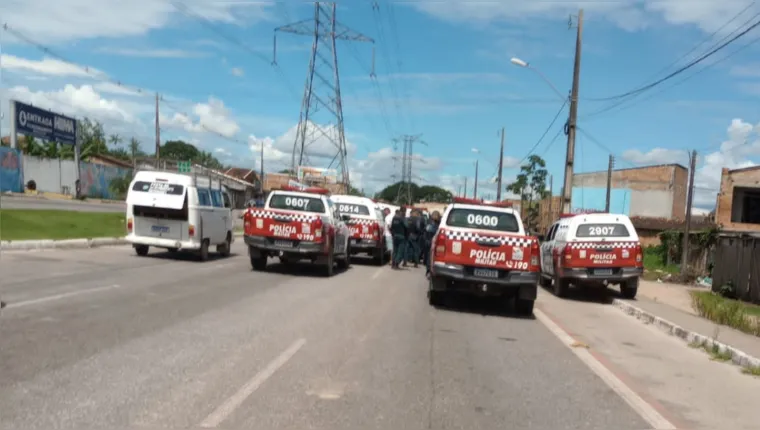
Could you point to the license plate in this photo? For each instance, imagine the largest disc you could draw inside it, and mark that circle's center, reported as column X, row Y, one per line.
column 160, row 229
column 603, row 272
column 486, row 273
column 355, row 241
column 283, row 243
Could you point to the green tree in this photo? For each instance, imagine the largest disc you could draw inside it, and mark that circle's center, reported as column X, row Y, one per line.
column 427, row 193
column 530, row 185
column 179, row 150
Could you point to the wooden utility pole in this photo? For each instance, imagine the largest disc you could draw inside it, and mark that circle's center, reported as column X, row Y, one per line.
column 261, row 175
column 475, row 192
column 158, row 133
column 567, row 189
column 610, row 166
column 551, row 199
column 687, row 224
column 501, row 167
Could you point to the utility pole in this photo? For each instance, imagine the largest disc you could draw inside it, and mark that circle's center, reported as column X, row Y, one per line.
column 475, row 192
column 465, row 187
column 322, row 89
column 687, row 224
column 261, row 175
column 567, row 189
column 501, row 167
column 551, row 198
column 405, row 190
column 610, row 166
column 158, row 132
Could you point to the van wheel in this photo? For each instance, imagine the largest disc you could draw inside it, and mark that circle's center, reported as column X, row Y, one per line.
column 330, row 266
column 561, row 286
column 203, row 254
column 225, row 248
column 629, row 288
column 142, row 250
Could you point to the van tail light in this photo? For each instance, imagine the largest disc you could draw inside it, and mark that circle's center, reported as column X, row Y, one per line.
column 639, row 256
column 130, row 225
column 191, row 230
column 440, row 244
column 318, row 226
column 535, row 257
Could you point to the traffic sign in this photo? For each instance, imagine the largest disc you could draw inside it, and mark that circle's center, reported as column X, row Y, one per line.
column 184, row 166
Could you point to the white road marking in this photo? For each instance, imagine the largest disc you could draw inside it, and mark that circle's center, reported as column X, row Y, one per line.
column 59, row 297
column 377, row 273
column 644, row 409
column 228, row 407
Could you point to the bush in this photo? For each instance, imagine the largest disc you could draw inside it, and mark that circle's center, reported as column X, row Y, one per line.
column 720, row 310
column 31, row 185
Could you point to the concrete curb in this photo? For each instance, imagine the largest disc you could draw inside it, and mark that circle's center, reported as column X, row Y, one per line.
column 32, row 245
column 738, row 357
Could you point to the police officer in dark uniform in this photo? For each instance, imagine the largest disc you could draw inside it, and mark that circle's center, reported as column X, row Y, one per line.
column 415, row 232
column 400, row 238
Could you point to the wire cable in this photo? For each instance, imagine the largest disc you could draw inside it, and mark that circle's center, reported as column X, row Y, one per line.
column 541, row 139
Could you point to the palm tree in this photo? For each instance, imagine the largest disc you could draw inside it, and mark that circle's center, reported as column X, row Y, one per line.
column 134, row 148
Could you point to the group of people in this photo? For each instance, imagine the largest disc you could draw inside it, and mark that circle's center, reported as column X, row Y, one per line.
column 411, row 236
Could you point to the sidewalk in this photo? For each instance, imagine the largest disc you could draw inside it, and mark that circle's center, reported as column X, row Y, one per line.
column 668, row 306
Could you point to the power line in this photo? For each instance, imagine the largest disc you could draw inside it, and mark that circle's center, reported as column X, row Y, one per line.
column 683, row 68
column 543, row 135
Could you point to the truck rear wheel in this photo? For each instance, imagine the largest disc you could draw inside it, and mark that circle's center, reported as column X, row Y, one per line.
column 330, row 265
column 629, row 288
column 561, row 286
column 379, row 256
column 259, row 263
column 524, row 307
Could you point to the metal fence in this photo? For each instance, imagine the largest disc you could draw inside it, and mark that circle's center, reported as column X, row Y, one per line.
column 737, row 262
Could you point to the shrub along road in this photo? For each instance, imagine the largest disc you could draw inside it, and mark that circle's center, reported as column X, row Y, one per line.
column 24, row 224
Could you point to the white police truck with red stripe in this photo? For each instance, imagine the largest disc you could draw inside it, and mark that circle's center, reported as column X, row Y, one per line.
column 592, row 249
column 298, row 224
column 366, row 225
column 482, row 248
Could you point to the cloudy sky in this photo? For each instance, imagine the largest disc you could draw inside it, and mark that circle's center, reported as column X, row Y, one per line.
column 442, row 71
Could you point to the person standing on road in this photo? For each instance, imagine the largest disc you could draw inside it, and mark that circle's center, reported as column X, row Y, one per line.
column 430, row 231
column 415, row 231
column 388, row 216
column 400, row 237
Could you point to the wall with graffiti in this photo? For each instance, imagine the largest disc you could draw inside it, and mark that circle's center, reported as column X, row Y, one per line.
column 11, row 170
column 96, row 180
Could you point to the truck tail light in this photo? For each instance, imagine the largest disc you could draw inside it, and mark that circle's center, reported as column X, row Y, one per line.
column 318, row 226
column 440, row 243
column 535, row 257
column 639, row 256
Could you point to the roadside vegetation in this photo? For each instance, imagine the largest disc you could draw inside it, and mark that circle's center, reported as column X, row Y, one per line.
column 727, row 311
column 655, row 266
column 22, row 224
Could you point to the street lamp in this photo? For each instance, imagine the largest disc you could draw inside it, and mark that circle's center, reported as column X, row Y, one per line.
column 521, row 63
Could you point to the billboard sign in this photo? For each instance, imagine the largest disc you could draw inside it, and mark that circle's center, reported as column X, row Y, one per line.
column 316, row 174
column 294, row 184
column 43, row 124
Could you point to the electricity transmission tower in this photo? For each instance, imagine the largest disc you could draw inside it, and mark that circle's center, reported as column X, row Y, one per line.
column 405, row 190
column 322, row 89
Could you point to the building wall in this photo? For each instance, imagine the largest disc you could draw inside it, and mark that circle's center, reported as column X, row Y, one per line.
column 653, row 191
column 748, row 178
column 11, row 170
column 51, row 175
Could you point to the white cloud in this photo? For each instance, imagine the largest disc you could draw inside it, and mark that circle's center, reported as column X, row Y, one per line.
column 153, row 53
column 237, row 71
column 320, row 141
column 211, row 117
column 111, row 88
column 48, row 66
column 629, row 15
column 65, row 21
column 737, row 151
column 751, row 70
column 75, row 101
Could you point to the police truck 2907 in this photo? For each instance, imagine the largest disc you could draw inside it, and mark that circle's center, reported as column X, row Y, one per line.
column 298, row 224
column 178, row 211
column 366, row 224
column 593, row 249
column 481, row 248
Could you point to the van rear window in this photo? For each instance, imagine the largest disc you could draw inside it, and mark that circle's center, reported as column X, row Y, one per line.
column 483, row 220
column 159, row 188
column 352, row 209
column 296, row 203
column 602, row 230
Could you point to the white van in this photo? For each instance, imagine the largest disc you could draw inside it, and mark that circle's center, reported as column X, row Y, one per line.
column 178, row 212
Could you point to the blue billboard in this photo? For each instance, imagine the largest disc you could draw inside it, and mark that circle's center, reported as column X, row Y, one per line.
column 45, row 125
column 594, row 199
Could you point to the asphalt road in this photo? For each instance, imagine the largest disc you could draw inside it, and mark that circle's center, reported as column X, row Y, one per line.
column 101, row 338
column 13, row 202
